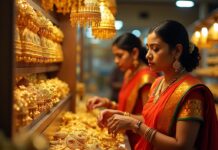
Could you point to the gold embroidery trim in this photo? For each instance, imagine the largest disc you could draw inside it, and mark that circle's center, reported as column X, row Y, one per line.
column 191, row 109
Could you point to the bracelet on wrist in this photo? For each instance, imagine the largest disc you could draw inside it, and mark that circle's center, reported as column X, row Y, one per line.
column 138, row 125
column 126, row 113
column 113, row 105
column 149, row 133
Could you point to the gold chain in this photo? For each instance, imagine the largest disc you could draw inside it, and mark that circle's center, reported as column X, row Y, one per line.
column 159, row 89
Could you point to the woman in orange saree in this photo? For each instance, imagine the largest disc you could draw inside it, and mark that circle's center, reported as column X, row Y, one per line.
column 130, row 58
column 180, row 112
column 182, row 102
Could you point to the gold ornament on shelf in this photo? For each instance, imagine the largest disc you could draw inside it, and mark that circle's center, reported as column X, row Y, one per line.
column 106, row 29
column 112, row 6
column 47, row 4
column 63, row 6
column 85, row 12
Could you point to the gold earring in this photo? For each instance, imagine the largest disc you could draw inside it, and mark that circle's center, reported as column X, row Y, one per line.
column 135, row 63
column 176, row 65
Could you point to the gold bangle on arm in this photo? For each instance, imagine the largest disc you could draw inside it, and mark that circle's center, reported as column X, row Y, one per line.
column 126, row 113
column 149, row 133
column 113, row 105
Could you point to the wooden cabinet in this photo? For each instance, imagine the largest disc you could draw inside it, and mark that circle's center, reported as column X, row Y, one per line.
column 9, row 69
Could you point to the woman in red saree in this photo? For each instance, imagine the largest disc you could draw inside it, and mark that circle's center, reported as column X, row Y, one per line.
column 180, row 112
column 130, row 58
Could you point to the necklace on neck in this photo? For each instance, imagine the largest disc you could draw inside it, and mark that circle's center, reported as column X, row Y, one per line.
column 160, row 89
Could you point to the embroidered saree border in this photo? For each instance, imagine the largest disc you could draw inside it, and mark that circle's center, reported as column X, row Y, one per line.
column 167, row 117
column 131, row 100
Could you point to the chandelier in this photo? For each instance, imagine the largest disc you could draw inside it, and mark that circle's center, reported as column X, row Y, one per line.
column 85, row 12
column 47, row 4
column 112, row 6
column 63, row 6
column 106, row 29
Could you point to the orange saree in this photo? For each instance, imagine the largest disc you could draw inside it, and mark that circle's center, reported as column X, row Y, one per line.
column 163, row 114
column 129, row 95
column 130, row 99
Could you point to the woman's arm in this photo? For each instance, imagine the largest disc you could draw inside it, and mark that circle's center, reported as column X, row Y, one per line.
column 186, row 134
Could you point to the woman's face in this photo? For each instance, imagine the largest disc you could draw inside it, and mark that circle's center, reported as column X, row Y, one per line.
column 159, row 56
column 122, row 58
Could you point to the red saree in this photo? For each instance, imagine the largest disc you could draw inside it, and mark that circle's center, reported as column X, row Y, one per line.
column 162, row 115
column 129, row 99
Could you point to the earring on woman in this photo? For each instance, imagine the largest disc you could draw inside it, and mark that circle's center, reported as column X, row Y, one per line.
column 177, row 65
column 135, row 63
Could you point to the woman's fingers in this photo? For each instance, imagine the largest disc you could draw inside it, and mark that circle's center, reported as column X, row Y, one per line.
column 92, row 102
column 113, row 124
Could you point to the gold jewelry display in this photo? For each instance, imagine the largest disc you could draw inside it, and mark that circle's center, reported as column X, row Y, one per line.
column 85, row 12
column 75, row 131
column 106, row 28
column 37, row 94
column 63, row 6
column 47, row 4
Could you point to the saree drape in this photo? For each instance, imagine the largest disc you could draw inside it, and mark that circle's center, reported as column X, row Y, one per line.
column 162, row 115
column 130, row 90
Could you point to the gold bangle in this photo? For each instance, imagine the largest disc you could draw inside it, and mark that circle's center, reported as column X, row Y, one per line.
column 149, row 133
column 126, row 113
column 113, row 105
column 137, row 126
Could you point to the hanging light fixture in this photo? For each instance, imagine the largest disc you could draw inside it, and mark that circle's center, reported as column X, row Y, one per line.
column 185, row 3
column 47, row 4
column 106, row 29
column 196, row 37
column 85, row 12
column 63, row 6
column 112, row 6
column 213, row 32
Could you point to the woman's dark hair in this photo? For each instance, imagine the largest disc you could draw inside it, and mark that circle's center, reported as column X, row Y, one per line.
column 128, row 41
column 173, row 33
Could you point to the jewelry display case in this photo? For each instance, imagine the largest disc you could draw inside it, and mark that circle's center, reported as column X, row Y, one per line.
column 22, row 63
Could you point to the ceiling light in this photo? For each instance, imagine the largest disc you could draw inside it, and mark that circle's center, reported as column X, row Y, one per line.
column 184, row 3
column 136, row 33
column 118, row 24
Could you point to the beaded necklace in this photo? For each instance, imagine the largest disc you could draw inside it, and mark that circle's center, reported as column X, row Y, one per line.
column 160, row 90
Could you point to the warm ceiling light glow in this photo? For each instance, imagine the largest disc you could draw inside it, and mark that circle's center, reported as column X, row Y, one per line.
column 184, row 3
column 215, row 27
column 197, row 34
column 213, row 33
column 196, row 37
column 204, row 31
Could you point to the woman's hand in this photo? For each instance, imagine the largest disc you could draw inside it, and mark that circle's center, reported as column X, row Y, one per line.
column 105, row 114
column 96, row 102
column 117, row 123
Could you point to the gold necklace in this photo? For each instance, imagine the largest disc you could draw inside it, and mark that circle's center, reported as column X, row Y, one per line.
column 160, row 90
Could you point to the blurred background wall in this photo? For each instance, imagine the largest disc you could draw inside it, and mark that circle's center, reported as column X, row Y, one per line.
column 137, row 17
